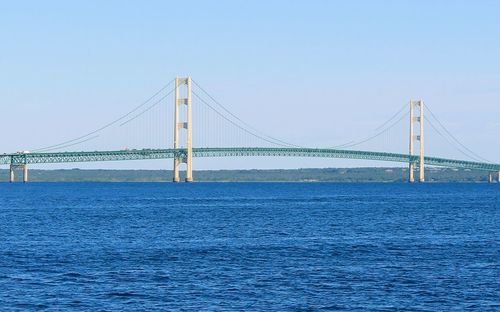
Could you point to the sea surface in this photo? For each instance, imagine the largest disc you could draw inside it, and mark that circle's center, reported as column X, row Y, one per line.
column 249, row 247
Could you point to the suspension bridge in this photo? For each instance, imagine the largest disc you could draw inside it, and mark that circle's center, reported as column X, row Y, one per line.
column 183, row 151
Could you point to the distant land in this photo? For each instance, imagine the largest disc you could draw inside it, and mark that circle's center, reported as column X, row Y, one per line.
column 277, row 175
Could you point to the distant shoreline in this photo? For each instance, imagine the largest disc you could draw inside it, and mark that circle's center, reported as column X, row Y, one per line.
column 307, row 175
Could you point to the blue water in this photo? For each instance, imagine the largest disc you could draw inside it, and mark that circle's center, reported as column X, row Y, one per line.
column 250, row 247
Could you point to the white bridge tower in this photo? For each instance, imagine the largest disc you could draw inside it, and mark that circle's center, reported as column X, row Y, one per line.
column 183, row 155
column 414, row 119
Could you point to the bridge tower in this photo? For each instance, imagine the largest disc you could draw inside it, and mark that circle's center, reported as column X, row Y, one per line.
column 183, row 85
column 417, row 116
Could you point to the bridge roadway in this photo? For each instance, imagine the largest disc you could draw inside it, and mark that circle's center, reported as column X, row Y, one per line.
column 67, row 157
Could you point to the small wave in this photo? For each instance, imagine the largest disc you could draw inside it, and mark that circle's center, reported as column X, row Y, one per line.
column 124, row 294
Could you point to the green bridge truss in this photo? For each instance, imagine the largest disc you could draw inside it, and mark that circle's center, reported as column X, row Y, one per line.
column 68, row 157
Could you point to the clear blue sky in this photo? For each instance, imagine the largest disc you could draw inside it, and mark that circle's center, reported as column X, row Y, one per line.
column 334, row 70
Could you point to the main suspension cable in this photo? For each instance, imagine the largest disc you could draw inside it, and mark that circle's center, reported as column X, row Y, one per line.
column 453, row 137
column 72, row 144
column 83, row 137
column 281, row 142
column 234, row 123
column 384, row 130
column 449, row 141
column 147, row 109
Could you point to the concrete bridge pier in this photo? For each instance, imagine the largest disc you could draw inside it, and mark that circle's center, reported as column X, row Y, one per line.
column 491, row 177
column 25, row 173
column 13, row 168
column 12, row 174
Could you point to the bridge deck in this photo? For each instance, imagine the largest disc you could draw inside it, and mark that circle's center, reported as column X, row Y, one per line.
column 66, row 157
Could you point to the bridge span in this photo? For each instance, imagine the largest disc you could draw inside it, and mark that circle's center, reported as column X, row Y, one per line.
column 21, row 160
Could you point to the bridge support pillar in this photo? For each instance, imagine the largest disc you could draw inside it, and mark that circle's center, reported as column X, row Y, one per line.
column 411, row 177
column 186, row 155
column 413, row 138
column 491, row 177
column 25, row 173
column 12, row 176
column 177, row 177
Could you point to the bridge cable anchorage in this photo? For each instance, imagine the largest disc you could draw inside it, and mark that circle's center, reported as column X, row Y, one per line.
column 383, row 131
column 240, row 127
column 63, row 144
column 282, row 143
column 474, row 155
